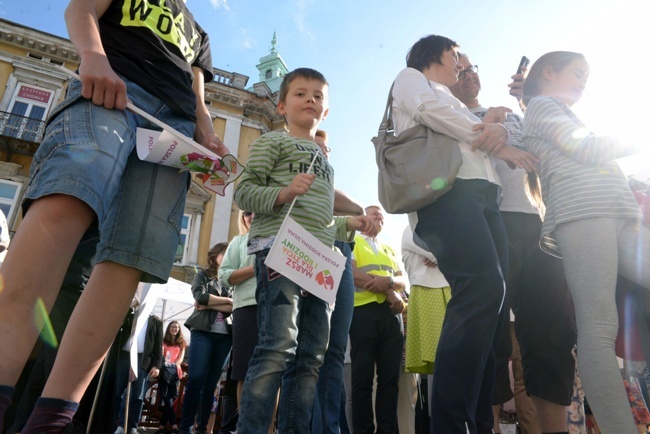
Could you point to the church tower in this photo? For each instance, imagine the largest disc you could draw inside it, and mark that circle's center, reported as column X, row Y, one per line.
column 272, row 68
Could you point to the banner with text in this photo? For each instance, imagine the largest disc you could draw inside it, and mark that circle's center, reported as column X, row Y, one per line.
column 163, row 147
column 306, row 261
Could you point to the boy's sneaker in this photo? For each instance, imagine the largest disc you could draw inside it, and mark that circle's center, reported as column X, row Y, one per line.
column 133, row 431
column 119, row 430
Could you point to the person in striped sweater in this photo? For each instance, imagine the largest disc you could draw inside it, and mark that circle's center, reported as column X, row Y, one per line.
column 592, row 220
column 293, row 325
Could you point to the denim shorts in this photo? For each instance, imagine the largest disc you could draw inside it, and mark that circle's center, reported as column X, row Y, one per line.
column 89, row 152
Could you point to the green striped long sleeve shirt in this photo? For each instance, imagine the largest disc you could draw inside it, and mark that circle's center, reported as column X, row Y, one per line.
column 275, row 159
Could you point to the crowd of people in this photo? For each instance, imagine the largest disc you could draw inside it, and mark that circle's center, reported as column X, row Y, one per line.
column 540, row 221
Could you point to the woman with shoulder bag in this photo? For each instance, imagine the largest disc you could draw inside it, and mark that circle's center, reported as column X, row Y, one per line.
column 210, row 342
column 173, row 353
column 464, row 231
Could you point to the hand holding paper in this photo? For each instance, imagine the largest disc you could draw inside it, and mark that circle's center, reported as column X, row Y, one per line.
column 168, row 149
column 171, row 148
column 214, row 143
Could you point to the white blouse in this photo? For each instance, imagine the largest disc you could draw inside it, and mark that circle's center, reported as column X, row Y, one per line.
column 416, row 100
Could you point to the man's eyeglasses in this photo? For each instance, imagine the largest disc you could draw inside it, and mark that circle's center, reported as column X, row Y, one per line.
column 473, row 69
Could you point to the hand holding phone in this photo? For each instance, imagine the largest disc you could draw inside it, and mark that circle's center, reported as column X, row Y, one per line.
column 517, row 85
column 523, row 63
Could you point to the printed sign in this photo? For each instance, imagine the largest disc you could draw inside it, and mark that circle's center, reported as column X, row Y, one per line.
column 34, row 94
column 163, row 147
column 306, row 261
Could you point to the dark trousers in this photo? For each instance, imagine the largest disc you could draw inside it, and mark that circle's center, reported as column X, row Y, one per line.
column 465, row 232
column 376, row 341
column 544, row 316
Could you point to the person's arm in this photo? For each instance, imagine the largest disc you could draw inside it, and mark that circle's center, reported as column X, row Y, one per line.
column 180, row 358
column 377, row 284
column 360, row 223
column 200, row 289
column 571, row 137
column 517, row 158
column 432, row 107
column 395, row 302
column 382, row 284
column 361, row 278
column 345, row 205
column 517, row 88
column 222, row 304
column 233, row 271
column 254, row 192
column 100, row 83
column 204, row 133
column 241, row 275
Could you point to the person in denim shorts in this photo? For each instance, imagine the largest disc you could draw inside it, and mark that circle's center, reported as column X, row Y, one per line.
column 86, row 170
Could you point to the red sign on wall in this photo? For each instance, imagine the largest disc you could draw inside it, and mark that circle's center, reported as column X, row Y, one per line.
column 34, row 94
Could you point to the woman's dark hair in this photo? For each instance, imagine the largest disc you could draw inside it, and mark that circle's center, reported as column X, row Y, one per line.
column 218, row 248
column 558, row 60
column 178, row 340
column 428, row 50
column 306, row 73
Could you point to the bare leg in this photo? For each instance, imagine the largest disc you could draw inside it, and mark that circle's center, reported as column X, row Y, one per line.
column 240, row 387
column 92, row 328
column 495, row 412
column 552, row 417
column 34, row 267
column 526, row 412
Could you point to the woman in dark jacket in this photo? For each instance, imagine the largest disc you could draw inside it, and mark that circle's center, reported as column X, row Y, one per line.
column 210, row 342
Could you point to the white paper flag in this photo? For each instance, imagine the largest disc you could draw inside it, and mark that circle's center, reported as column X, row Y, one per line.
column 306, row 261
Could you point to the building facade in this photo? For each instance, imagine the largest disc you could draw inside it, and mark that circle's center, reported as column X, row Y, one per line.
column 30, row 68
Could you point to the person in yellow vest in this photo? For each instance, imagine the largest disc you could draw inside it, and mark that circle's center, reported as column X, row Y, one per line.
column 375, row 335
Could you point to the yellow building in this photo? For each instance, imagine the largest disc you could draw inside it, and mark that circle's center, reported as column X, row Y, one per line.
column 30, row 69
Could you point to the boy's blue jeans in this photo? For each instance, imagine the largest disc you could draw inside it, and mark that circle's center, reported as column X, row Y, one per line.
column 293, row 335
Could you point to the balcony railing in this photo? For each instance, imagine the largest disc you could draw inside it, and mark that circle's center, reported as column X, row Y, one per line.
column 20, row 127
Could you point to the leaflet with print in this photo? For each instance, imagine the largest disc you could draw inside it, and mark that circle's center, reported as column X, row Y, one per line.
column 306, row 261
column 169, row 149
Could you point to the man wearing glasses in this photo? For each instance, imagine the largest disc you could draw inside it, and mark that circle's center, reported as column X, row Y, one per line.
column 536, row 289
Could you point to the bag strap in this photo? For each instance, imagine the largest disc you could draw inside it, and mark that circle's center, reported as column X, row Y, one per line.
column 387, row 121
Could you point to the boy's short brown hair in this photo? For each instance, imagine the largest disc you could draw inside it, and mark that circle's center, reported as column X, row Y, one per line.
column 307, row 73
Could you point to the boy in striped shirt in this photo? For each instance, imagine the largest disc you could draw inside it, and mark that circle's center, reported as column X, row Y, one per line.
column 293, row 325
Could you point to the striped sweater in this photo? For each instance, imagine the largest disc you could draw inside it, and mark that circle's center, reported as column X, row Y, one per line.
column 579, row 178
column 275, row 159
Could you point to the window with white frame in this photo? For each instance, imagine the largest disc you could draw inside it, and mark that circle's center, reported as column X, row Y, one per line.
column 27, row 109
column 9, row 191
column 184, row 242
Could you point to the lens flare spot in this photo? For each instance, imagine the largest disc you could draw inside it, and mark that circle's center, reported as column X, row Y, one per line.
column 580, row 133
column 43, row 323
column 438, row 183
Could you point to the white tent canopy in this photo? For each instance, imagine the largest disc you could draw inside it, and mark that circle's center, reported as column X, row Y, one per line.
column 173, row 302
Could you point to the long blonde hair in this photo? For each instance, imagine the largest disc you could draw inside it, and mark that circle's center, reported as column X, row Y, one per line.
column 533, row 86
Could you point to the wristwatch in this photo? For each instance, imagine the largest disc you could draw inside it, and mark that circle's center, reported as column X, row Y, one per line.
column 391, row 282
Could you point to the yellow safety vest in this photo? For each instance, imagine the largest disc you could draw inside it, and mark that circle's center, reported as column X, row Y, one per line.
column 382, row 262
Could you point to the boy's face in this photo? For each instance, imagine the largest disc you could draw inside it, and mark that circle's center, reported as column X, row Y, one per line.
column 306, row 104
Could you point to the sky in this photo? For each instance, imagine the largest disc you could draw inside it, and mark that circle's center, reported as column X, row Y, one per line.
column 360, row 46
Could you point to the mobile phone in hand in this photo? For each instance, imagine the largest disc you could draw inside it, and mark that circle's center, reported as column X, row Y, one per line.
column 522, row 64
